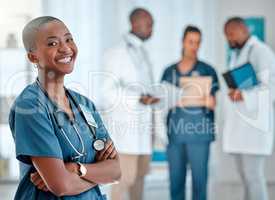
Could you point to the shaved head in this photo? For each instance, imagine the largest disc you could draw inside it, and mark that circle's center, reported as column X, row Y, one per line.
column 236, row 32
column 31, row 29
column 236, row 22
column 138, row 13
column 141, row 23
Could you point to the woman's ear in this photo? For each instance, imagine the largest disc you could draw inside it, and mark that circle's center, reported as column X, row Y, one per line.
column 32, row 57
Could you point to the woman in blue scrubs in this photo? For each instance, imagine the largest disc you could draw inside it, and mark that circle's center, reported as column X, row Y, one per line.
column 59, row 136
column 190, row 128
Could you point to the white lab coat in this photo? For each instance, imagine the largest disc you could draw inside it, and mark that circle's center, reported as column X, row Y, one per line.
column 248, row 125
column 127, row 75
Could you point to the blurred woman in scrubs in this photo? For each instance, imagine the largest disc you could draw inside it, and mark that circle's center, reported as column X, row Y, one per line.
column 190, row 127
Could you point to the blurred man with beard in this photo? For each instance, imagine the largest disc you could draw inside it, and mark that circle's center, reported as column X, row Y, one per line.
column 248, row 129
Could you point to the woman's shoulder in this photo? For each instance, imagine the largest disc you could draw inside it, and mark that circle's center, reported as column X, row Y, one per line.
column 27, row 102
column 206, row 66
column 170, row 68
column 29, row 97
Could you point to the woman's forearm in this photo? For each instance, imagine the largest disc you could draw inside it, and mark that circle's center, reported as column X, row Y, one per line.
column 75, row 185
column 106, row 171
column 58, row 179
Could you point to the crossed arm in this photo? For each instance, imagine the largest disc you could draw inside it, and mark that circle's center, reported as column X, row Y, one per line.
column 62, row 179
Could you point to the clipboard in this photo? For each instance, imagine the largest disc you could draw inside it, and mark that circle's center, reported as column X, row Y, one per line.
column 195, row 89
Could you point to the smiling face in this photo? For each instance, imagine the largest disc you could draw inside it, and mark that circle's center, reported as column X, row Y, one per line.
column 55, row 50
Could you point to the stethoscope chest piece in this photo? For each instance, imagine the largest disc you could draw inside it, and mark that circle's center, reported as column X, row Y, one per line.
column 99, row 144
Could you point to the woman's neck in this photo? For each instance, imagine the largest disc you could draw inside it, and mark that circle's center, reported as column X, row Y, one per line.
column 53, row 85
column 187, row 63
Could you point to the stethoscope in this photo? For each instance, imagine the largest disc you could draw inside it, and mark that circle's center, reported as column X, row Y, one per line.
column 98, row 143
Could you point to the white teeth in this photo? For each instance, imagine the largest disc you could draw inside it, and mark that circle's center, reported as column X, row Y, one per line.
column 65, row 60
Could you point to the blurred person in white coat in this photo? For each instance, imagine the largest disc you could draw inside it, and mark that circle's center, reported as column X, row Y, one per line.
column 129, row 117
column 248, row 129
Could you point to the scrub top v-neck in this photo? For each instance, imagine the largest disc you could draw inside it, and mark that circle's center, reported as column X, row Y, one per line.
column 36, row 133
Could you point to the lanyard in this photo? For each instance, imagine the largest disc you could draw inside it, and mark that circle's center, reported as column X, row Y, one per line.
column 98, row 144
column 92, row 129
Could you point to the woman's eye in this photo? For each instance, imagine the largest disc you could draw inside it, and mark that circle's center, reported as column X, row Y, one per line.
column 70, row 40
column 52, row 43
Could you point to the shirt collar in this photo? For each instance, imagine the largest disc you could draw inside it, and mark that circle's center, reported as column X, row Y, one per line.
column 251, row 40
column 133, row 40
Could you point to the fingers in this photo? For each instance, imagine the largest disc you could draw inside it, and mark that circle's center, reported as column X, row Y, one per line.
column 113, row 154
column 45, row 189
column 38, row 181
column 235, row 95
column 34, row 177
column 154, row 100
column 108, row 152
column 148, row 100
column 107, row 146
column 210, row 102
column 232, row 94
column 41, row 185
column 143, row 99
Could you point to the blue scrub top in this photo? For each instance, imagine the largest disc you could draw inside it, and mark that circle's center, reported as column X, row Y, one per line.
column 36, row 133
column 191, row 124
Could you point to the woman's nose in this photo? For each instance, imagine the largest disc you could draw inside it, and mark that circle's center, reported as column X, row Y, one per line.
column 64, row 47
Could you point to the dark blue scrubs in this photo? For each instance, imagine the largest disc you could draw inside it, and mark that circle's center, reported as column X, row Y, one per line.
column 36, row 133
column 190, row 132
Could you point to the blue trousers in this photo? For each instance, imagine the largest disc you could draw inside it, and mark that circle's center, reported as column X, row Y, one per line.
column 179, row 156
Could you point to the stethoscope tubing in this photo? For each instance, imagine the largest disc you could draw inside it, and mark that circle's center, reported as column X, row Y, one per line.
column 82, row 153
column 70, row 143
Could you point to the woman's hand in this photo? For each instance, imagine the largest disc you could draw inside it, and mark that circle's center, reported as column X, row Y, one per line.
column 72, row 167
column 40, row 184
column 109, row 152
column 210, row 102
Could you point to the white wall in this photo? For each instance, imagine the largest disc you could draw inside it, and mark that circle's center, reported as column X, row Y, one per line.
column 13, row 16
